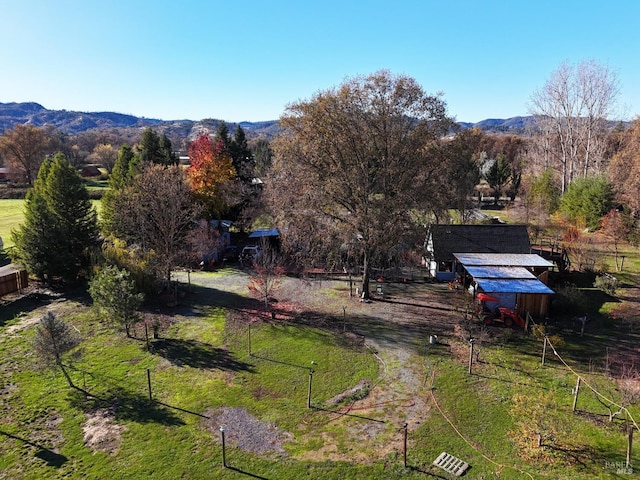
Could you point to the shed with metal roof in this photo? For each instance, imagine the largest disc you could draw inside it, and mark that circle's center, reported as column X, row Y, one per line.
column 445, row 240
column 519, row 281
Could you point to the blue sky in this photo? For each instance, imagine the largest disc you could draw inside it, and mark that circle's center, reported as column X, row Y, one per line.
column 246, row 60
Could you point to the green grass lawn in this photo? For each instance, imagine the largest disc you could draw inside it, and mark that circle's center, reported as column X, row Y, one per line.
column 201, row 363
column 12, row 215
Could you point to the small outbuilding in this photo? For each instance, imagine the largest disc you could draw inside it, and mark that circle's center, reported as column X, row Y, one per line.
column 445, row 240
column 270, row 236
column 515, row 281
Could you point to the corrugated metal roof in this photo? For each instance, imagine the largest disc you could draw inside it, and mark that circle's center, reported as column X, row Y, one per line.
column 507, row 285
column 502, row 260
column 265, row 232
column 500, row 272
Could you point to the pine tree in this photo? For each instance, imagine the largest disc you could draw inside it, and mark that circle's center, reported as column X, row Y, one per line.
column 60, row 224
column 222, row 135
column 166, row 152
column 52, row 340
column 242, row 156
column 149, row 148
column 34, row 239
column 498, row 176
column 114, row 292
column 156, row 149
column 125, row 168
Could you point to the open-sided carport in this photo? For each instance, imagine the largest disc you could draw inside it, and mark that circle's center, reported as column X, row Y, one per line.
column 517, row 280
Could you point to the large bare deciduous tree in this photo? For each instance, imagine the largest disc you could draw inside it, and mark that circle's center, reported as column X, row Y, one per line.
column 156, row 213
column 23, row 149
column 571, row 112
column 624, row 170
column 104, row 155
column 352, row 166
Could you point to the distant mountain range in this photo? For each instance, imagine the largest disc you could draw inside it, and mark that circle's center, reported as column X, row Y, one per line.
column 75, row 122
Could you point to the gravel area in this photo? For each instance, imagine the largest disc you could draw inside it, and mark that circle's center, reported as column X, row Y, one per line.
column 245, row 431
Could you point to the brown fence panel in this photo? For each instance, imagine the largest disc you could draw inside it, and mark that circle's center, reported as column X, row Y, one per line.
column 13, row 281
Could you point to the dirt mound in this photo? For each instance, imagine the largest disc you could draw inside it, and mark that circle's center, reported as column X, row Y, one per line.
column 101, row 434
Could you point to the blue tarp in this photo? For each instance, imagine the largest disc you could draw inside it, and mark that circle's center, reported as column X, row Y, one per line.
column 265, row 232
column 505, row 272
column 501, row 285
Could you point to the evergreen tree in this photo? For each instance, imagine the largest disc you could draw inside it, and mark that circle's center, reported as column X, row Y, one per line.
column 52, row 340
column 114, row 292
column 223, row 135
column 35, row 239
column 586, row 201
column 242, row 156
column 498, row 176
column 166, row 152
column 124, row 170
column 149, row 148
column 262, row 155
column 156, row 149
column 60, row 224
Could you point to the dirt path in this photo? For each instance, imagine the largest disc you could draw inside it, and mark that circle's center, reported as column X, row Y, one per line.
column 396, row 326
column 56, row 303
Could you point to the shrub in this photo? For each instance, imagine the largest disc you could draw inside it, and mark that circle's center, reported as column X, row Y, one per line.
column 586, row 201
column 570, row 299
column 607, row 283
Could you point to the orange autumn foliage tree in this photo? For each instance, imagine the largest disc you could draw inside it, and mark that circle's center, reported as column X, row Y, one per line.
column 211, row 174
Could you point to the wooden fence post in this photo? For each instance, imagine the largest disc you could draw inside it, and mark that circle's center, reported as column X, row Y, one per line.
column 575, row 395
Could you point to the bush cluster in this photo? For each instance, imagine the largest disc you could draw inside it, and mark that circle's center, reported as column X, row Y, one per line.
column 607, row 283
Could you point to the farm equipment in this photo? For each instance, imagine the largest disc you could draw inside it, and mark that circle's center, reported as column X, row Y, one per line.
column 503, row 315
column 489, row 315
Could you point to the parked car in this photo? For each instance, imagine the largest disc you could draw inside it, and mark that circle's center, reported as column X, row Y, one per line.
column 250, row 252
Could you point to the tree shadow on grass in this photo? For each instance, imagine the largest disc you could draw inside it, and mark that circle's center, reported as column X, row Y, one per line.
column 52, row 458
column 197, row 355
column 37, row 297
column 22, row 305
column 125, row 405
column 358, row 329
column 586, row 457
column 200, row 297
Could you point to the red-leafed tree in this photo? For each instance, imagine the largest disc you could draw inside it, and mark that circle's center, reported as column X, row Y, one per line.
column 211, row 174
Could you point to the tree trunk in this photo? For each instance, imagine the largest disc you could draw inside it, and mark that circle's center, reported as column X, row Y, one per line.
column 365, row 278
